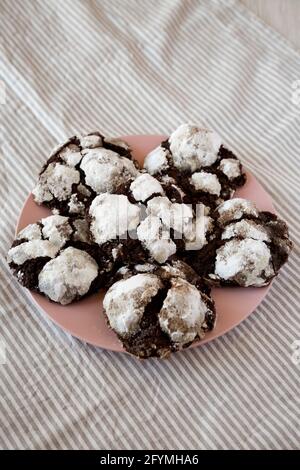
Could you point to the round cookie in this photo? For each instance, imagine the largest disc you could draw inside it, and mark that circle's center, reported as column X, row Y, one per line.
column 170, row 229
column 198, row 164
column 56, row 257
column 167, row 225
column 144, row 187
column 249, row 247
column 69, row 276
column 81, row 168
column 158, row 310
column 113, row 220
column 145, row 225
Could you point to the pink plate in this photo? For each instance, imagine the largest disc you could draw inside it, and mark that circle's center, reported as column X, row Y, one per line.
column 85, row 319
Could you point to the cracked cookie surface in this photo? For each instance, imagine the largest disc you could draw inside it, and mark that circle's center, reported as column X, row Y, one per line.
column 56, row 257
column 156, row 310
column 80, row 169
column 197, row 163
column 249, row 247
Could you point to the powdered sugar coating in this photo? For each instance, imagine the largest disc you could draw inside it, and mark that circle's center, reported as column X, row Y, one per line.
column 144, row 186
column 177, row 268
column 198, row 237
column 145, row 268
column 230, row 167
column 207, row 182
column 156, row 239
column 70, row 154
column 247, row 262
column 160, row 207
column 173, row 215
column 68, row 276
column 62, row 145
column 156, row 161
column 183, row 312
column 31, row 250
column 181, row 218
column 193, row 147
column 91, row 141
column 234, row 209
column 246, row 229
column 57, row 229
column 75, row 205
column 112, row 216
column 55, row 182
column 106, row 171
column 31, row 232
column 125, row 301
column 166, row 179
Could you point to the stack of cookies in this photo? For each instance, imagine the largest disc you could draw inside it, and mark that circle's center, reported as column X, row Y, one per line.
column 156, row 237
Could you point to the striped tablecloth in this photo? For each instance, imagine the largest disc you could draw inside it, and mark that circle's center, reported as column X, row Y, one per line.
column 132, row 67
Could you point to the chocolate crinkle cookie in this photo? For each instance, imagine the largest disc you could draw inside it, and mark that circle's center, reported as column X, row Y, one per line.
column 146, row 225
column 156, row 310
column 193, row 166
column 113, row 221
column 249, row 248
column 131, row 232
column 168, row 228
column 80, row 169
column 57, row 258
